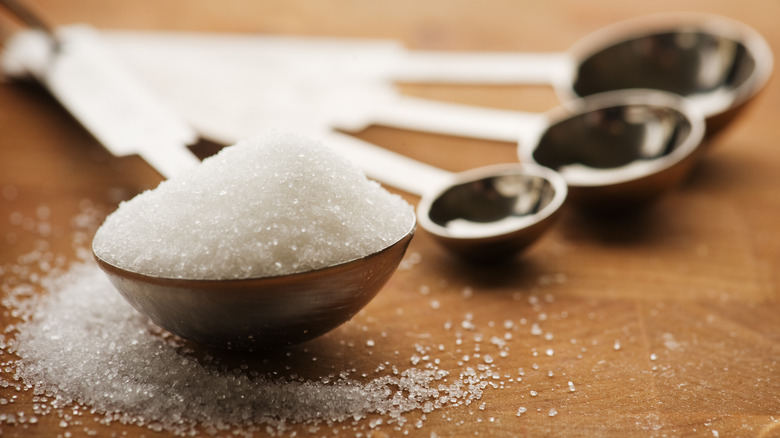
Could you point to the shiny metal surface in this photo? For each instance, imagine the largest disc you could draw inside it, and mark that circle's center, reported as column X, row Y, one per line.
column 493, row 212
column 260, row 313
column 487, row 213
column 620, row 148
column 718, row 63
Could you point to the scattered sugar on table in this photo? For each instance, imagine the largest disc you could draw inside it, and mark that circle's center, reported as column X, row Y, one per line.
column 81, row 354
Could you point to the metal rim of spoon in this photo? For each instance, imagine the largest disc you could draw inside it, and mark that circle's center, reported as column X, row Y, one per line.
column 491, row 213
column 676, row 52
column 642, row 144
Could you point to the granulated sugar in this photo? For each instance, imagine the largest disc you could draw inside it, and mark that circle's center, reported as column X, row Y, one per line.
column 275, row 205
column 83, row 351
column 82, row 344
column 80, row 357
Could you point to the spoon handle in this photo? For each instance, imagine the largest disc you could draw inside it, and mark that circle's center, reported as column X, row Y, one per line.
column 388, row 167
column 453, row 119
column 110, row 102
column 482, row 67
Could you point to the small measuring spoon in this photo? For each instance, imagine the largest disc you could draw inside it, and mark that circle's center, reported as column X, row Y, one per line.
column 484, row 214
column 717, row 62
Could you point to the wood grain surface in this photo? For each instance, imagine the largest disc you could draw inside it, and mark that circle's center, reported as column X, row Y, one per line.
column 667, row 323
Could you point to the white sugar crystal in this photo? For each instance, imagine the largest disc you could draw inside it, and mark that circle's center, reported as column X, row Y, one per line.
column 274, row 205
column 83, row 346
column 80, row 350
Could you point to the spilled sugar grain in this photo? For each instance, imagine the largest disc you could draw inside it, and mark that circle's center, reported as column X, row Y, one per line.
column 80, row 349
column 274, row 205
column 85, row 357
column 82, row 344
column 106, row 365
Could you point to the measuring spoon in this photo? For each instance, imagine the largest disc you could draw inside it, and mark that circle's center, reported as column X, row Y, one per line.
column 483, row 214
column 717, row 62
column 618, row 148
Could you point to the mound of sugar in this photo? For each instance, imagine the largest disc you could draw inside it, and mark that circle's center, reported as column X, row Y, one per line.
column 275, row 205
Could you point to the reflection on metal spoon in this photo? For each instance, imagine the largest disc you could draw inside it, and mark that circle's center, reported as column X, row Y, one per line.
column 487, row 213
column 639, row 145
column 717, row 62
column 504, row 207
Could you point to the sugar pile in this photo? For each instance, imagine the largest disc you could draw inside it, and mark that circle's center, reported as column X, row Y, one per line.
column 274, row 205
column 86, row 355
column 84, row 344
column 78, row 356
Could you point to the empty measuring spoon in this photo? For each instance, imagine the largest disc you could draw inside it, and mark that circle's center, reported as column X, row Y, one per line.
column 618, row 148
column 483, row 214
column 717, row 62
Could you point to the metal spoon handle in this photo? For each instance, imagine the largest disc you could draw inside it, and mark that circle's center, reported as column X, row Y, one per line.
column 388, row 167
column 109, row 101
column 453, row 119
column 482, row 68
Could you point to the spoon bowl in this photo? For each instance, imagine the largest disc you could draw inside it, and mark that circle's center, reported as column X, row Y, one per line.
column 718, row 63
column 260, row 313
column 618, row 149
column 484, row 214
column 492, row 212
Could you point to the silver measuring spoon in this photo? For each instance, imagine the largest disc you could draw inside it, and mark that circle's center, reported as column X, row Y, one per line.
column 616, row 148
column 484, row 214
column 717, row 62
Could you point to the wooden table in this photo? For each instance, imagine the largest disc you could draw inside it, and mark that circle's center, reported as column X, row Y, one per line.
column 667, row 324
